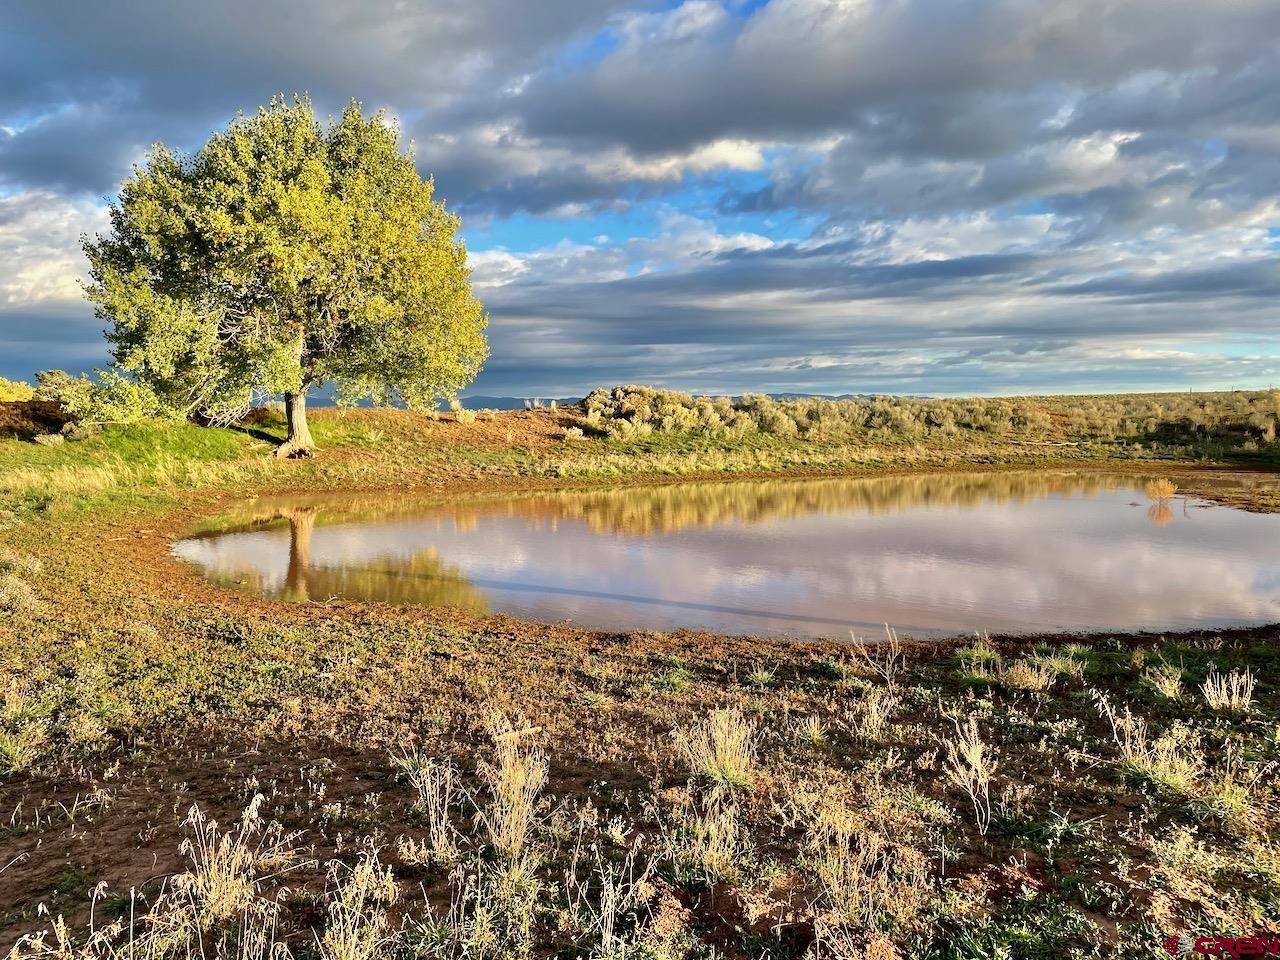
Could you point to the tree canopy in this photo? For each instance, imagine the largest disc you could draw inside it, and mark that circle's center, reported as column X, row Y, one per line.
column 287, row 253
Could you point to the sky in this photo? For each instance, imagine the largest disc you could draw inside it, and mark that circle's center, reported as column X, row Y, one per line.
column 825, row 196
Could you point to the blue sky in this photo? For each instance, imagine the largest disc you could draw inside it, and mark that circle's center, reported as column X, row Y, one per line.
column 964, row 196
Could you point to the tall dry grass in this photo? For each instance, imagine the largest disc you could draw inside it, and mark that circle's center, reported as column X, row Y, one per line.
column 970, row 765
column 515, row 778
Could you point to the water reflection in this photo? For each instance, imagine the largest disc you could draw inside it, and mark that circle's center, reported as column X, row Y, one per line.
column 418, row 578
column 1005, row 551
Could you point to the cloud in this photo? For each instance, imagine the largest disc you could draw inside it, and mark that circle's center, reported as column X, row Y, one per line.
column 986, row 195
column 40, row 257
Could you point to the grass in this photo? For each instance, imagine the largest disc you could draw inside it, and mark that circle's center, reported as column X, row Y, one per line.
column 516, row 776
column 722, row 748
column 1232, row 692
column 970, row 766
column 1173, row 760
column 191, row 772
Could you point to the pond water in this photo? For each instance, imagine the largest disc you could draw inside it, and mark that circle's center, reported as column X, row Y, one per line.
column 944, row 554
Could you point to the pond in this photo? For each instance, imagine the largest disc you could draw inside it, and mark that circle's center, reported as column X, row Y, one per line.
column 1011, row 552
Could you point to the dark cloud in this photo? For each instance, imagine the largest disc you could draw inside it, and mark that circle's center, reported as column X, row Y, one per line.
column 991, row 194
column 48, row 335
column 87, row 79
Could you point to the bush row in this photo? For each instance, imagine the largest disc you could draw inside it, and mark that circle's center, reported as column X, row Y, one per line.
column 626, row 412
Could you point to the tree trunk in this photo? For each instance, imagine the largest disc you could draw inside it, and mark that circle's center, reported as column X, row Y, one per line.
column 298, row 443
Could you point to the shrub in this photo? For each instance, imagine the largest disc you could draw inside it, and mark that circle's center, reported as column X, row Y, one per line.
column 15, row 391
column 1237, row 421
column 113, row 398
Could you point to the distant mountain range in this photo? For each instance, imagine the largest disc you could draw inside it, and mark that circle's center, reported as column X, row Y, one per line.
column 513, row 403
column 518, row 403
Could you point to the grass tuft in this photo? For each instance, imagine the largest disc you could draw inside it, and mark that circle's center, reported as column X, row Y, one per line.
column 722, row 748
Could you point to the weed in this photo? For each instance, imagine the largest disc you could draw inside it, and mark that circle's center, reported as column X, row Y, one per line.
column 1165, row 679
column 358, row 925
column 811, row 730
column 870, row 717
column 711, row 838
column 1170, row 760
column 435, row 783
column 1028, row 675
column 885, row 660
column 228, row 866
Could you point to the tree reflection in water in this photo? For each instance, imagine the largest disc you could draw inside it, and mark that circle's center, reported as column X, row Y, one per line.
column 423, row 578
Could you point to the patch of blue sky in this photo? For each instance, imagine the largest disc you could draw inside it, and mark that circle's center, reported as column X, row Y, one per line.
column 524, row 232
column 585, row 50
column 703, row 197
column 1236, row 348
column 698, row 196
column 1032, row 207
column 591, row 48
column 746, row 8
column 1215, row 148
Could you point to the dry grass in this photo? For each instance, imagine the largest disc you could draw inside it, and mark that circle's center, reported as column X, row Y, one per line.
column 970, row 765
column 1165, row 679
column 711, row 838
column 515, row 778
column 228, row 867
column 165, row 472
column 438, row 793
column 857, row 841
column 868, row 881
column 884, row 660
column 722, row 748
column 1171, row 760
column 1232, row 692
column 1028, row 675
column 811, row 730
column 358, row 926
column 869, row 719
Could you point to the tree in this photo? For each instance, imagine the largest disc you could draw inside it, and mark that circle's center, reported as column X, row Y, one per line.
column 285, row 254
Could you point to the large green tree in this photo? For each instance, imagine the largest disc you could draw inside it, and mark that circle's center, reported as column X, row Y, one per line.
column 285, row 254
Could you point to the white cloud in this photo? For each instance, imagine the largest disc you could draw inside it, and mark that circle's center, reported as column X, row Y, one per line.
column 40, row 256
